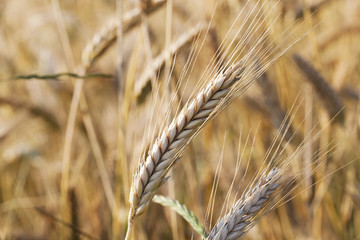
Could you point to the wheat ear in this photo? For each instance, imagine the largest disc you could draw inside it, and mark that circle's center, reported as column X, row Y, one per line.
column 272, row 103
column 332, row 101
column 155, row 164
column 106, row 37
column 248, row 209
column 183, row 211
column 159, row 61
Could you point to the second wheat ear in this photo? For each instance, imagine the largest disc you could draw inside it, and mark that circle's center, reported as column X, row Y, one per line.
column 249, row 208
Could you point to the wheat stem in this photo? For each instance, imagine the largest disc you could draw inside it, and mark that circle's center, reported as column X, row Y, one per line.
column 163, row 153
column 161, row 156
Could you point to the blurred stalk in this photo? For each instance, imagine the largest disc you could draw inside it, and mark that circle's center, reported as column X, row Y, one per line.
column 65, row 173
column 121, row 176
column 20, row 181
column 77, row 100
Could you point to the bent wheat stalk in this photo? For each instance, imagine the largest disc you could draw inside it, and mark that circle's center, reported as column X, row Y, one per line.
column 106, row 37
column 160, row 60
column 248, row 209
column 162, row 154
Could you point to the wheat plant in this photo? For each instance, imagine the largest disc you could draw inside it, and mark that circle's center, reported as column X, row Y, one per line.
column 114, row 109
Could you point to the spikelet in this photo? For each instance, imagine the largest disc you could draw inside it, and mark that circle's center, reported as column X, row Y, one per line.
column 248, row 209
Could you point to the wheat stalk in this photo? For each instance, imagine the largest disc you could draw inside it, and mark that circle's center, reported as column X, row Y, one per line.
column 248, row 209
column 224, row 85
column 162, row 154
column 183, row 211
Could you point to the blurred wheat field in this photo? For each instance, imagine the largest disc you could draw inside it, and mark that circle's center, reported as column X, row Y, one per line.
column 70, row 143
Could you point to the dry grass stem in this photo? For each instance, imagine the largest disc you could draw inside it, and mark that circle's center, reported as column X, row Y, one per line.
column 74, row 209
